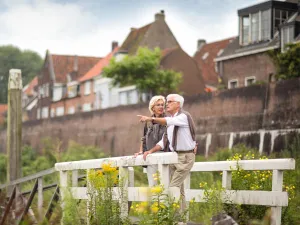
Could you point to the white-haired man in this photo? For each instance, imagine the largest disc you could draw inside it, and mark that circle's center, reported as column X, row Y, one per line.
column 180, row 137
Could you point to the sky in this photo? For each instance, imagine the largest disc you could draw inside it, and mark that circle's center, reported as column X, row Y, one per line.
column 88, row 27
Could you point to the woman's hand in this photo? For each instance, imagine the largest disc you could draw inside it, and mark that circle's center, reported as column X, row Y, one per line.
column 136, row 154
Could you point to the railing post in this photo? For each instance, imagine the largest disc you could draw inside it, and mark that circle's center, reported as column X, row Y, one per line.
column 124, row 176
column 63, row 176
column 164, row 173
column 74, row 178
column 277, row 181
column 187, row 187
column 226, row 180
column 40, row 198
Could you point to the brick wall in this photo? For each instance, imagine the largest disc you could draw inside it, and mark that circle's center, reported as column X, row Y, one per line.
column 258, row 65
column 118, row 132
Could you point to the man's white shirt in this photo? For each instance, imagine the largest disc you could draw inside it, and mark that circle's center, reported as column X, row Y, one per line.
column 184, row 137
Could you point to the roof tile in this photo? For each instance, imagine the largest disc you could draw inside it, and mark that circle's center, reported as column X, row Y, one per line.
column 207, row 64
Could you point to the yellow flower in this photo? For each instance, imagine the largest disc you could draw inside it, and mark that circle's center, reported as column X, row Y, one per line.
column 156, row 190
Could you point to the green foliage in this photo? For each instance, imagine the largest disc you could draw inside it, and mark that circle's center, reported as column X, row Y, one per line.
column 143, row 71
column 288, row 62
column 103, row 209
column 213, row 206
column 71, row 211
column 3, row 166
column 12, row 57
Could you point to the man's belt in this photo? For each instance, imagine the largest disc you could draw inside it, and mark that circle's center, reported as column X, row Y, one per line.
column 188, row 151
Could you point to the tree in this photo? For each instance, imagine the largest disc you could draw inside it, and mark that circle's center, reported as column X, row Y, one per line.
column 287, row 63
column 143, row 70
column 12, row 57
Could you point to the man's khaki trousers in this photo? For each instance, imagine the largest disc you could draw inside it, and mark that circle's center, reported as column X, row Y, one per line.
column 179, row 172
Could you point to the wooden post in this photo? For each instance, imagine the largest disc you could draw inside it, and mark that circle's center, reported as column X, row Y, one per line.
column 40, row 198
column 277, row 181
column 63, row 176
column 123, row 176
column 14, row 125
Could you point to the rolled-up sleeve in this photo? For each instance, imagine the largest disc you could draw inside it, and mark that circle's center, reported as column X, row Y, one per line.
column 180, row 120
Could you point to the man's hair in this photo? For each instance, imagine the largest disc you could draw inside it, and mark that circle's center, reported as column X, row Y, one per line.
column 155, row 99
column 177, row 98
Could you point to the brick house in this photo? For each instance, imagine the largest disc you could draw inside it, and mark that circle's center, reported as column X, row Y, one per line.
column 205, row 55
column 29, row 99
column 58, row 85
column 155, row 34
column 262, row 27
column 95, row 95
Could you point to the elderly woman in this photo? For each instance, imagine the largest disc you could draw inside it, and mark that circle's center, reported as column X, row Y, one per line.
column 153, row 133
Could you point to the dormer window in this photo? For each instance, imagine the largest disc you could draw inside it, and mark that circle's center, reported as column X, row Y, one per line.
column 287, row 35
column 255, row 27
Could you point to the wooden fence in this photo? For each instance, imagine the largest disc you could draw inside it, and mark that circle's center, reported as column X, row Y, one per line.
column 274, row 198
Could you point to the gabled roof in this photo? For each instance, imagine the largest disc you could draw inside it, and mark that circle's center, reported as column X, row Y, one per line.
column 67, row 64
column 205, row 59
column 29, row 88
column 97, row 69
column 134, row 39
column 3, row 109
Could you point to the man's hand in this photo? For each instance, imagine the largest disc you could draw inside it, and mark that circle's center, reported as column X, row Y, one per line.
column 145, row 154
column 195, row 149
column 144, row 118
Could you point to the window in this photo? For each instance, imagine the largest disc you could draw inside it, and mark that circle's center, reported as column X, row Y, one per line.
column 52, row 112
column 87, row 107
column 128, row 97
column 287, row 35
column 279, row 17
column 72, row 91
column 220, row 52
column 245, row 30
column 265, row 25
column 60, row 111
column 71, row 110
column 249, row 80
column 45, row 112
column 205, row 55
column 87, row 87
column 57, row 93
column 233, row 84
column 255, row 27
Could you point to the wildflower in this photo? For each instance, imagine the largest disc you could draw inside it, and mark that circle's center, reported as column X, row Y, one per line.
column 156, row 190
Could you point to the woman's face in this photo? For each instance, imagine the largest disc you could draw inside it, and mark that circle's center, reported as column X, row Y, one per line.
column 158, row 107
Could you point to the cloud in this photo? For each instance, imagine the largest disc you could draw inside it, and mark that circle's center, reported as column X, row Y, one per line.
column 79, row 28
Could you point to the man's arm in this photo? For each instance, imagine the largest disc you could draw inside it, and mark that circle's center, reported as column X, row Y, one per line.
column 161, row 120
column 152, row 150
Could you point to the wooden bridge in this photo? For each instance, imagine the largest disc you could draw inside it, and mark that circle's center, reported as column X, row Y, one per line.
column 276, row 198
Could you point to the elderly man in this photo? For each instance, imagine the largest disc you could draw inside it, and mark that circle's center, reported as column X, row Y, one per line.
column 180, row 138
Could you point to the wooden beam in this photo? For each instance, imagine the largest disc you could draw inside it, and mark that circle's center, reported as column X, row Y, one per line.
column 14, row 125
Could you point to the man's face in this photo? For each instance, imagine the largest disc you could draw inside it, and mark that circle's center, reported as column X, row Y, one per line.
column 172, row 105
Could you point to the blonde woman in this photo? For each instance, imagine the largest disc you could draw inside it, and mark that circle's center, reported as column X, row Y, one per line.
column 153, row 133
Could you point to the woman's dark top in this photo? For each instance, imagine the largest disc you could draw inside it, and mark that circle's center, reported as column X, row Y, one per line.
column 153, row 133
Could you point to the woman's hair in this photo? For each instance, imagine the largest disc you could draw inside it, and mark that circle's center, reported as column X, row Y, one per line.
column 153, row 100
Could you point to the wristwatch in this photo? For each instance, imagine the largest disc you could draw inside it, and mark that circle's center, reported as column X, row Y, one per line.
column 152, row 120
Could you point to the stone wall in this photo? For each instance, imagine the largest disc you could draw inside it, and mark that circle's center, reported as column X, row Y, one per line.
column 262, row 116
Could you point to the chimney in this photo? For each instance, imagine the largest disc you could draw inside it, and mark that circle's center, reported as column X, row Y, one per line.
column 75, row 67
column 160, row 15
column 114, row 45
column 200, row 44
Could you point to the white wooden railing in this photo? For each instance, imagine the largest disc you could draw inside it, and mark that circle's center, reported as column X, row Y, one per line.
column 275, row 198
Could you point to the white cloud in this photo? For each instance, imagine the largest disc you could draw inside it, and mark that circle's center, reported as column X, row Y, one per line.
column 69, row 28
